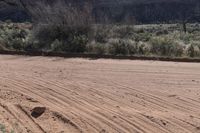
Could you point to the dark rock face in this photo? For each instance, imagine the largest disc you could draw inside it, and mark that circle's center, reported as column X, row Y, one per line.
column 14, row 13
column 149, row 12
column 111, row 11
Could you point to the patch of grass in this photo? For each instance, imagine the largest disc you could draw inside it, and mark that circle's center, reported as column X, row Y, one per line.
column 3, row 129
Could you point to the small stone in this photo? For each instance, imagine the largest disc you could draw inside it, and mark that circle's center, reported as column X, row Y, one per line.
column 37, row 111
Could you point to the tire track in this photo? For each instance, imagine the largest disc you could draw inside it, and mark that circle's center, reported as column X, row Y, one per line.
column 100, row 95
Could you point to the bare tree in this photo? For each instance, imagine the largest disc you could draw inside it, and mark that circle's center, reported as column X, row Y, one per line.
column 61, row 12
column 64, row 12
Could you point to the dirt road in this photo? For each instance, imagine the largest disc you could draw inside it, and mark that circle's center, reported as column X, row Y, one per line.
column 98, row 96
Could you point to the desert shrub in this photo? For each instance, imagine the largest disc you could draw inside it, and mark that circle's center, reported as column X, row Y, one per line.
column 123, row 31
column 118, row 48
column 193, row 50
column 101, row 33
column 59, row 38
column 56, row 45
column 190, row 51
column 122, row 47
column 132, row 47
column 44, row 35
column 189, row 37
column 178, row 50
column 165, row 46
column 76, row 43
column 17, row 44
column 61, row 26
column 161, row 32
column 144, row 37
column 140, row 30
column 97, row 48
column 31, row 45
column 143, row 48
column 12, row 37
column 101, row 37
column 2, row 45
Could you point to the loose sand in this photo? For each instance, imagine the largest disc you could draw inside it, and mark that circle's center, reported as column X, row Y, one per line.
column 98, row 96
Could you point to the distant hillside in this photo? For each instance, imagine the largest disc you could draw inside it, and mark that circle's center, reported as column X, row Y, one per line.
column 147, row 11
column 109, row 11
column 11, row 12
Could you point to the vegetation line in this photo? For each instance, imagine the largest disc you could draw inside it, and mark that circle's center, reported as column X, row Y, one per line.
column 96, row 56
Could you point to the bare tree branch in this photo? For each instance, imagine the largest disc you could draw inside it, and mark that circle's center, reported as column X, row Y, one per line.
column 10, row 3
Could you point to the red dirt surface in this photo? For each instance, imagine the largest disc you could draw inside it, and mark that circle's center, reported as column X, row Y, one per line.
column 57, row 95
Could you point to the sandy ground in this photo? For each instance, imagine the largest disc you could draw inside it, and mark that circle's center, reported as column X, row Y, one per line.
column 99, row 96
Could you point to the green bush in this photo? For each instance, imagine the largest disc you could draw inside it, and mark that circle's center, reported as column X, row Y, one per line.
column 17, row 44
column 143, row 48
column 2, row 44
column 101, row 33
column 123, row 31
column 193, row 50
column 12, row 37
column 165, row 46
column 161, row 32
column 59, row 38
column 97, row 48
column 56, row 46
column 76, row 44
column 122, row 47
column 144, row 37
